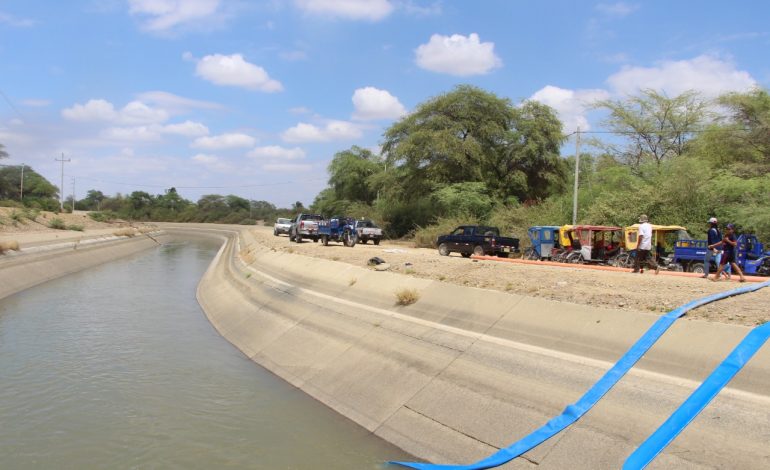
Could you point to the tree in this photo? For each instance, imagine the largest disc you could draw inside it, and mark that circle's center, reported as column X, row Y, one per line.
column 93, row 199
column 349, row 174
column 3, row 153
column 750, row 116
column 652, row 126
column 470, row 135
column 36, row 188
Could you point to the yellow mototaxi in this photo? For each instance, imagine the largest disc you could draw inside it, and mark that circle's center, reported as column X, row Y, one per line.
column 565, row 242
column 663, row 239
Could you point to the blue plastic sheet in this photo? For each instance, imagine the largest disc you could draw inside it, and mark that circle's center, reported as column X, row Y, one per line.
column 699, row 399
column 573, row 412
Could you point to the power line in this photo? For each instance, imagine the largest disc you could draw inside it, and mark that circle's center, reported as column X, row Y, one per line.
column 11, row 105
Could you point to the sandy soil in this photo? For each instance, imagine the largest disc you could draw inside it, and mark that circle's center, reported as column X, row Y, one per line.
column 645, row 292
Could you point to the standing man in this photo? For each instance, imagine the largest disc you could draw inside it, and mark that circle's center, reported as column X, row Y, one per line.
column 644, row 246
column 729, row 242
column 713, row 251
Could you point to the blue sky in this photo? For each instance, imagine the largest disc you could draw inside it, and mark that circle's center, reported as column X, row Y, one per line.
column 255, row 97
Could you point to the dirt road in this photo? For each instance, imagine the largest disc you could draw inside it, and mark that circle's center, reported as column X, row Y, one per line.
column 645, row 292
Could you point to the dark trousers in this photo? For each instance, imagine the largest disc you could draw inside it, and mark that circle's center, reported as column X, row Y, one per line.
column 643, row 256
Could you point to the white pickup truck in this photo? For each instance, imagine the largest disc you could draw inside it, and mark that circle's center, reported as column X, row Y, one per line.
column 305, row 226
column 368, row 230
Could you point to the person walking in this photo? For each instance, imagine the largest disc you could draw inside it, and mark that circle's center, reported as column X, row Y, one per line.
column 644, row 246
column 729, row 243
column 713, row 250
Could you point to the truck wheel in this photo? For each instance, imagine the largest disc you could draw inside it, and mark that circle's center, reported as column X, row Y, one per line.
column 291, row 237
column 502, row 255
column 376, row 241
column 478, row 250
column 315, row 239
column 298, row 238
column 275, row 232
column 465, row 255
column 697, row 268
column 349, row 241
column 325, row 240
column 443, row 249
column 364, row 240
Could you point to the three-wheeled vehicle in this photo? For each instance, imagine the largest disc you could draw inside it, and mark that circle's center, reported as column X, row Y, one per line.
column 338, row 229
column 664, row 237
column 594, row 243
column 544, row 242
column 565, row 244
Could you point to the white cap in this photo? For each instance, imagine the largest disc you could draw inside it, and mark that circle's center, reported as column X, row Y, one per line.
column 713, row 220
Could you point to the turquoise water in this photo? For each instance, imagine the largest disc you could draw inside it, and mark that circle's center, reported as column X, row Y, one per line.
column 117, row 367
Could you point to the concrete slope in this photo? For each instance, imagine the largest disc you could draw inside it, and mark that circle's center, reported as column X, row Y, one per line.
column 465, row 371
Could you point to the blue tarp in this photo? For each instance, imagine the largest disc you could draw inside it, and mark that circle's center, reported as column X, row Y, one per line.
column 573, row 412
column 699, row 399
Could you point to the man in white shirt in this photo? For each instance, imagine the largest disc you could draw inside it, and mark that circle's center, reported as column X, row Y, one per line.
column 644, row 246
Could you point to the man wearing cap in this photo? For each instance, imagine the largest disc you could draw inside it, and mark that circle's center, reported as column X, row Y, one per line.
column 644, row 246
column 713, row 250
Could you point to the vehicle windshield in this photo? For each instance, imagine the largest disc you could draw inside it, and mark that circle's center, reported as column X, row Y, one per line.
column 489, row 231
column 367, row 224
column 284, row 221
column 311, row 217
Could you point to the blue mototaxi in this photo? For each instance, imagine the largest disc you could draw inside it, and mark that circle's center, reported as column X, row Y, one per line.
column 544, row 239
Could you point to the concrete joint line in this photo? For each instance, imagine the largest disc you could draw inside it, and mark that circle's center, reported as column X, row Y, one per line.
column 559, row 355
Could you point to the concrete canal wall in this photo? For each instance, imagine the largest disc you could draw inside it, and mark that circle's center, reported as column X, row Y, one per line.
column 25, row 269
column 465, row 371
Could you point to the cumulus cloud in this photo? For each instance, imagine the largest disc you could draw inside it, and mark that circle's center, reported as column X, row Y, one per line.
column 10, row 20
column 224, row 141
column 333, row 130
column 187, row 129
column 709, row 75
column 175, row 103
column 277, row 152
column 617, row 9
column 132, row 134
column 233, row 70
column 99, row 110
column 370, row 10
column 571, row 105
column 211, row 162
column 372, row 103
column 164, row 15
column 457, row 55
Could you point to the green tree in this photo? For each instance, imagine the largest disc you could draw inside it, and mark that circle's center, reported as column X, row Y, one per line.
column 350, row 172
column 470, row 135
column 652, row 126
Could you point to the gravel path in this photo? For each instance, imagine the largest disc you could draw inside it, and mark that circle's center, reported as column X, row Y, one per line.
column 645, row 292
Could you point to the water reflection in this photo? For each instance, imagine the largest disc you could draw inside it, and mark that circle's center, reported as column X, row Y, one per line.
column 118, row 367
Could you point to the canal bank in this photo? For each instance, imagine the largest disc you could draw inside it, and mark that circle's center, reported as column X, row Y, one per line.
column 463, row 371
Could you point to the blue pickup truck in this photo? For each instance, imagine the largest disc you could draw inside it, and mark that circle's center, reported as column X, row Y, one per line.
column 750, row 255
column 477, row 240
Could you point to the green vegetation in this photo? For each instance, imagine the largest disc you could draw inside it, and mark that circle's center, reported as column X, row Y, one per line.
column 57, row 223
column 75, row 227
column 468, row 157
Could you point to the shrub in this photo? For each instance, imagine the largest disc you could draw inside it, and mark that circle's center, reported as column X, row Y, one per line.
column 407, row 296
column 247, row 222
column 17, row 216
column 9, row 245
column 57, row 223
column 10, row 203
column 76, row 227
column 125, row 232
column 104, row 216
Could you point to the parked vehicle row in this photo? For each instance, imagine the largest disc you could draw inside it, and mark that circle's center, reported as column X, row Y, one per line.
column 477, row 240
column 346, row 230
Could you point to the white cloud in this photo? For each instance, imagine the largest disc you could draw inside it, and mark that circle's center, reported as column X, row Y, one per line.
column 132, row 134
column 413, row 8
column 36, row 103
column 96, row 110
column 164, row 15
column 707, row 74
column 370, row 10
column 293, row 56
column 175, row 103
column 224, row 141
column 373, row 103
column 617, row 9
column 277, row 152
column 10, row 20
column 212, row 162
column 187, row 129
column 300, row 110
column 287, row 167
column 571, row 105
column 333, row 130
column 457, row 55
column 233, row 70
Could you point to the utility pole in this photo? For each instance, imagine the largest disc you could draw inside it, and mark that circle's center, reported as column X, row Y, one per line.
column 61, row 191
column 21, row 185
column 577, row 177
column 73, row 194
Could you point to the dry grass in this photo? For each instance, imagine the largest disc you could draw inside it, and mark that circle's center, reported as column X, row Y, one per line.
column 125, row 232
column 407, row 296
column 8, row 246
column 352, row 281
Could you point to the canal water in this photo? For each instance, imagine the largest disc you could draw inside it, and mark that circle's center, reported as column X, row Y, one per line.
column 117, row 367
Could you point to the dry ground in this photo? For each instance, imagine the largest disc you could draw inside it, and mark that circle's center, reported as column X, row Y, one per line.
column 645, row 292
